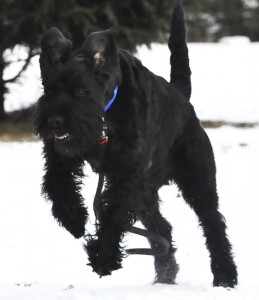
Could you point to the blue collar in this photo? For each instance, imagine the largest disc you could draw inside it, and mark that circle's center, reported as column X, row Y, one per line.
column 108, row 105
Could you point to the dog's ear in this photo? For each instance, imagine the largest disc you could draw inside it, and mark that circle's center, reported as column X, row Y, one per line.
column 100, row 48
column 55, row 47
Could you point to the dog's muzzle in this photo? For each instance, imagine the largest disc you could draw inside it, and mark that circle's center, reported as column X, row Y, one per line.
column 56, row 124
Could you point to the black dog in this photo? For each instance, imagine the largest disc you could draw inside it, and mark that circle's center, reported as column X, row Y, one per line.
column 101, row 105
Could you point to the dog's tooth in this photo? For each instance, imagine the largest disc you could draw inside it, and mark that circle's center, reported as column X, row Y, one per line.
column 62, row 137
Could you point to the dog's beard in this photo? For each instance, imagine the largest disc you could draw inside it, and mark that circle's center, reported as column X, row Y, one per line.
column 71, row 141
column 65, row 148
column 92, row 153
column 72, row 148
column 71, row 145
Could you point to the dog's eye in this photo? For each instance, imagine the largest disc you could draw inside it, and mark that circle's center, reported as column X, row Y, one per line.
column 80, row 93
column 49, row 92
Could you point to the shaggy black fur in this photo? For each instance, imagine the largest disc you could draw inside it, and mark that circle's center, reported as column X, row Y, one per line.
column 154, row 138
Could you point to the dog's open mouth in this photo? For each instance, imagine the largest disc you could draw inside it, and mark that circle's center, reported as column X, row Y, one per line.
column 61, row 137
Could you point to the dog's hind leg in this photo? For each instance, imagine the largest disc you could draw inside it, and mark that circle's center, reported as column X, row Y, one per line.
column 194, row 172
column 166, row 267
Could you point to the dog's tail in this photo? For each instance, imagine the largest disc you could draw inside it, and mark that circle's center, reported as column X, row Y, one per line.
column 179, row 60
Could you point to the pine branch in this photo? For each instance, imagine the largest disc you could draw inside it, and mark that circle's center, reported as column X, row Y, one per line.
column 31, row 54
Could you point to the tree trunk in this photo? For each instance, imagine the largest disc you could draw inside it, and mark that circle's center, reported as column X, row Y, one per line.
column 2, row 88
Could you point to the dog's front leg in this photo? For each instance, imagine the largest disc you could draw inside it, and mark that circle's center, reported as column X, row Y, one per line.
column 61, row 185
column 104, row 250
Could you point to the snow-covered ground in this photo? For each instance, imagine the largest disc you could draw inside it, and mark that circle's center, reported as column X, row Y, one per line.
column 224, row 78
column 39, row 260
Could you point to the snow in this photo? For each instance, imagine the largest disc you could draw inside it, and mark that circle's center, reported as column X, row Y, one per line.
column 40, row 260
column 28, row 88
column 236, row 41
column 224, row 78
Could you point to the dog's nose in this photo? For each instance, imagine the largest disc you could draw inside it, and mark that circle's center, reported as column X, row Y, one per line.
column 56, row 121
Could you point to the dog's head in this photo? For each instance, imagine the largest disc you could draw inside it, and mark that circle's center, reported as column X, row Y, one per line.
column 77, row 86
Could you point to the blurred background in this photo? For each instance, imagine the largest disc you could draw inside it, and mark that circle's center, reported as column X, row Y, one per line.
column 137, row 22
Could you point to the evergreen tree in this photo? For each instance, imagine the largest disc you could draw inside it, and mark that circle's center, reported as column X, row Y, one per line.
column 229, row 16
column 251, row 22
column 210, row 20
column 25, row 21
column 136, row 22
column 9, row 37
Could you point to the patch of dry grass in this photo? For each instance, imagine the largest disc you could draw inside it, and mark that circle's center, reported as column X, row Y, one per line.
column 217, row 124
column 21, row 131
column 18, row 126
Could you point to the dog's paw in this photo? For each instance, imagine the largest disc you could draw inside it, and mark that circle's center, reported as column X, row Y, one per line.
column 77, row 230
column 166, row 269
column 72, row 219
column 225, row 282
column 226, row 279
column 102, row 259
